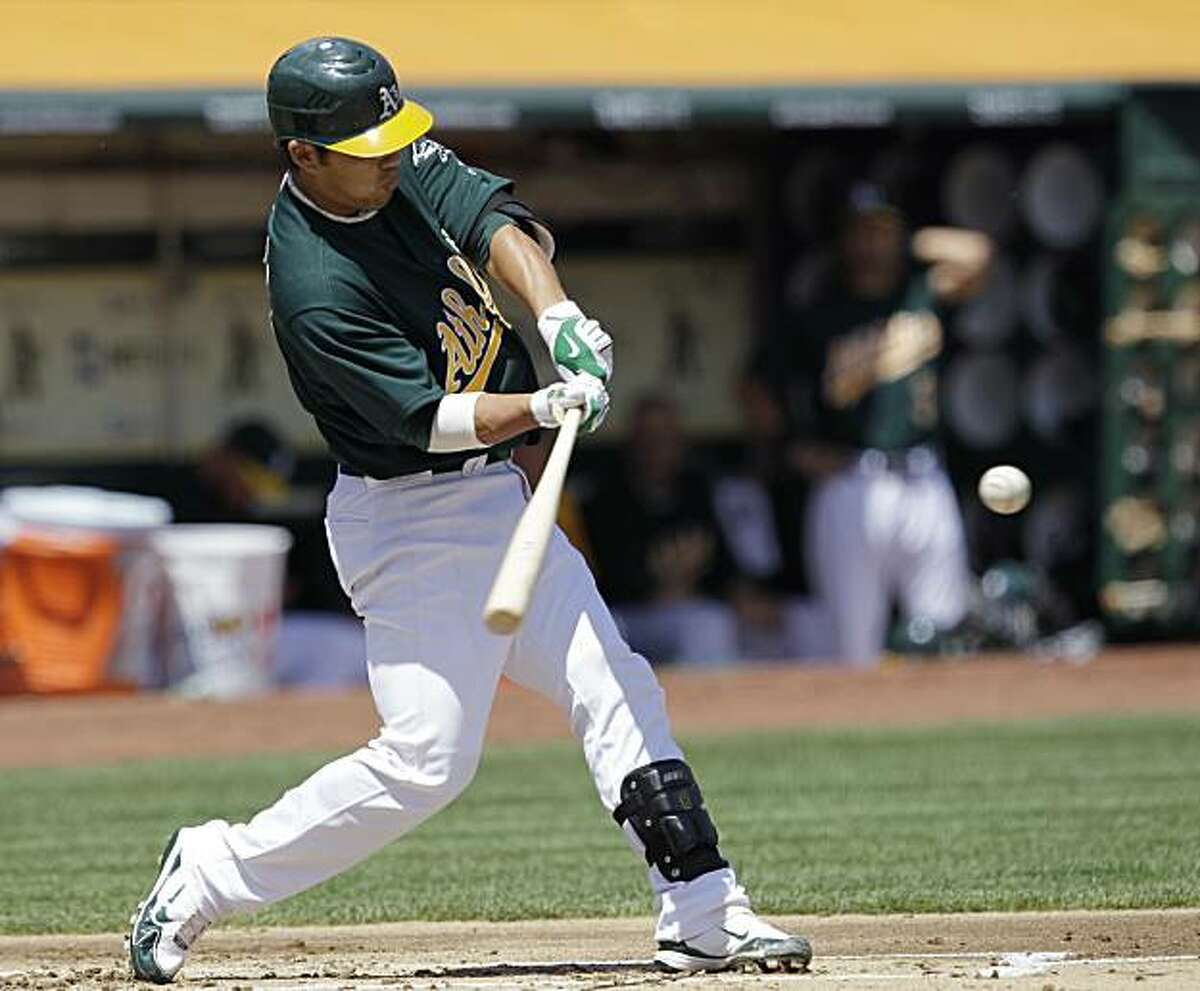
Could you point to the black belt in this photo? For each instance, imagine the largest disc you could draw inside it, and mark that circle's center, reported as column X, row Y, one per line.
column 440, row 468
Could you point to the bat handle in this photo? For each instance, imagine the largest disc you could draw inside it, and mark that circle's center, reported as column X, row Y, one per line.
column 522, row 563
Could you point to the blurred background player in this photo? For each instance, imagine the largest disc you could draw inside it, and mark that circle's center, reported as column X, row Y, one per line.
column 858, row 374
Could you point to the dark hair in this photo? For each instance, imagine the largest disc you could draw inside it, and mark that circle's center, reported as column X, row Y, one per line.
column 258, row 441
column 286, row 158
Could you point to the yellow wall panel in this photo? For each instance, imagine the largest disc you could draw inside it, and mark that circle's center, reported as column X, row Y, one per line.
column 133, row 44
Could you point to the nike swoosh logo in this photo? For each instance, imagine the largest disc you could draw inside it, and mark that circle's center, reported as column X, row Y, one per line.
column 729, row 932
column 568, row 336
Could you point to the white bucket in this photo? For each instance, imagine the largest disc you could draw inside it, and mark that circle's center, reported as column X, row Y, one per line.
column 79, row 507
column 76, row 510
column 226, row 589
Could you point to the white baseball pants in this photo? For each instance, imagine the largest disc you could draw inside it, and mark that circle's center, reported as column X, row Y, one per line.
column 875, row 533
column 417, row 556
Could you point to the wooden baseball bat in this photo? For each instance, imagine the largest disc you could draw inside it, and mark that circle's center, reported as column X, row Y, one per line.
column 513, row 586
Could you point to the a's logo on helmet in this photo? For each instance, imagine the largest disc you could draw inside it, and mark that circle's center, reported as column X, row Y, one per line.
column 389, row 97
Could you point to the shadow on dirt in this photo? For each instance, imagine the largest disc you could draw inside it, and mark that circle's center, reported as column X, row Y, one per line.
column 548, row 969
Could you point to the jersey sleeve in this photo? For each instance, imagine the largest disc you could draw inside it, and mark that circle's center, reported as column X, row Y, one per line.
column 459, row 195
column 368, row 366
column 504, row 208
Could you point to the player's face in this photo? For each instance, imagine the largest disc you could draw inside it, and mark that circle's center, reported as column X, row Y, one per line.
column 344, row 184
column 658, row 446
column 873, row 253
column 364, row 183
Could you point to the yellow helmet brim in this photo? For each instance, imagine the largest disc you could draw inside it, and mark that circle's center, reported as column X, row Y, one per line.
column 395, row 133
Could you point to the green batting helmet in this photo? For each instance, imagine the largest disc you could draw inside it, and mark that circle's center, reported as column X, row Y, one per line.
column 343, row 95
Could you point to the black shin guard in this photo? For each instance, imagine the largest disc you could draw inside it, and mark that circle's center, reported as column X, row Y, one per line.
column 662, row 803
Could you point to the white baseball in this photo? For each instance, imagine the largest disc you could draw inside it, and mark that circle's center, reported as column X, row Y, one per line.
column 1005, row 489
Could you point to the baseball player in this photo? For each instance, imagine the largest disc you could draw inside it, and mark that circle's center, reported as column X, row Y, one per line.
column 862, row 368
column 377, row 242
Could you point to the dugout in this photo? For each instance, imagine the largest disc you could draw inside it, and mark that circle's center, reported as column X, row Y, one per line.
column 691, row 201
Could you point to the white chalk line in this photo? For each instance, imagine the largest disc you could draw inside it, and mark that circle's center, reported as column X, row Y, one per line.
column 1002, row 965
column 997, row 954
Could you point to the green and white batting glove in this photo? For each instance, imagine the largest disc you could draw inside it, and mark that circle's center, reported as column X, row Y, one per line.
column 549, row 405
column 578, row 345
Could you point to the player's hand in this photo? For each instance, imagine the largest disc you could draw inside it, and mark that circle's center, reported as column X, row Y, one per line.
column 586, row 392
column 960, row 260
column 577, row 344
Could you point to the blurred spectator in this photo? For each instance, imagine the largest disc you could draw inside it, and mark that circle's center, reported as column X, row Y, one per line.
column 761, row 511
column 658, row 549
column 248, row 476
column 858, row 373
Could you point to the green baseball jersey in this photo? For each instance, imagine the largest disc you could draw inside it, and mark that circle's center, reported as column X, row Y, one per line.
column 870, row 368
column 378, row 316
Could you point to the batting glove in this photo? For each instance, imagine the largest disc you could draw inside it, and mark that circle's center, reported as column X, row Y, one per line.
column 549, row 405
column 577, row 344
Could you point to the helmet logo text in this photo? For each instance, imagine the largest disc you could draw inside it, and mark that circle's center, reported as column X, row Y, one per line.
column 389, row 97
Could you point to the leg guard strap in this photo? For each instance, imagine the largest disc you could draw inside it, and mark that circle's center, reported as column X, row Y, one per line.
column 663, row 804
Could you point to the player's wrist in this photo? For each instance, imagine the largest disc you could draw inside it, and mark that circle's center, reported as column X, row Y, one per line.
column 454, row 425
column 577, row 344
column 550, row 320
column 559, row 311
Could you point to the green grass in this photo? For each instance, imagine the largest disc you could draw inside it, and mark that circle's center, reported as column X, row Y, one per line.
column 1100, row 813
